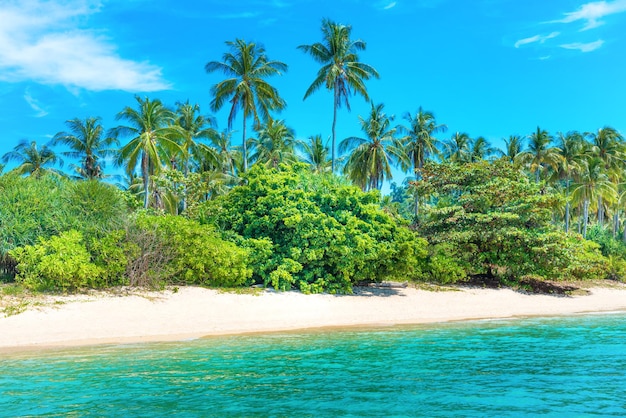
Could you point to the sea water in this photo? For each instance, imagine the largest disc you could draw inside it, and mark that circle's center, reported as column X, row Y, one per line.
column 561, row 367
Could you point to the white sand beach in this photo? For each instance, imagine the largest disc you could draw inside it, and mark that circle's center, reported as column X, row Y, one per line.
column 196, row 312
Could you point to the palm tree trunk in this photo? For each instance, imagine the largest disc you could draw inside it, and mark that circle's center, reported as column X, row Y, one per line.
column 600, row 212
column 585, row 217
column 567, row 206
column 537, row 172
column 332, row 161
column 245, row 146
column 146, row 179
column 615, row 224
column 416, row 203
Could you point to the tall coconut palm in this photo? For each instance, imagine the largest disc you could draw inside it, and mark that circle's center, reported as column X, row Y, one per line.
column 341, row 71
column 315, row 152
column 274, row 144
column 514, row 145
column 370, row 160
column 88, row 143
column 539, row 154
column 457, row 148
column 419, row 143
column 480, row 149
column 229, row 157
column 188, row 129
column 151, row 143
column 33, row 160
column 573, row 161
column 247, row 66
column 608, row 145
column 592, row 184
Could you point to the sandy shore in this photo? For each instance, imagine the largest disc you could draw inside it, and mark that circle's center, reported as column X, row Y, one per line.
column 197, row 312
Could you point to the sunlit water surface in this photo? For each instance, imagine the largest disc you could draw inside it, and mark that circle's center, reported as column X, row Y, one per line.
column 562, row 367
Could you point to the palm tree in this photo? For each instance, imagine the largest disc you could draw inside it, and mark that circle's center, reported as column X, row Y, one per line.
column 419, row 143
column 188, row 128
column 33, row 160
column 88, row 143
column 593, row 184
column 229, row 157
column 514, row 146
column 274, row 144
column 457, row 148
column 247, row 66
column 341, row 71
column 608, row 145
column 539, row 154
column 151, row 141
column 480, row 149
column 573, row 161
column 369, row 163
column 315, row 153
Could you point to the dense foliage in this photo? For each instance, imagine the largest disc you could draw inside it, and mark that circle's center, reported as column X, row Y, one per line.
column 548, row 209
column 324, row 235
column 498, row 223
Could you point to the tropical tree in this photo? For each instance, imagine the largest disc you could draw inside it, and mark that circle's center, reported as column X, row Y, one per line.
column 608, row 145
column 573, row 161
column 514, row 145
column 341, row 71
column 247, row 66
column 457, row 148
column 32, row 159
column 480, row 149
column 315, row 152
column 539, row 154
column 189, row 128
column 151, row 144
column 593, row 184
column 88, row 143
column 229, row 158
column 370, row 160
column 419, row 143
column 274, row 144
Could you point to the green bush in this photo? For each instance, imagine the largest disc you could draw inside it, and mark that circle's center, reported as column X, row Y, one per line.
column 113, row 253
column 33, row 208
column 56, row 263
column 324, row 235
column 198, row 254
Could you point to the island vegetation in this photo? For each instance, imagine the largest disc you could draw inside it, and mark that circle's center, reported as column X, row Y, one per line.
column 193, row 208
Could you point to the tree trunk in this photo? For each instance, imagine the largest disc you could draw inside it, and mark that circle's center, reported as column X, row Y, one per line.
column 245, row 145
column 600, row 212
column 567, row 217
column 332, row 161
column 537, row 175
column 145, row 172
column 585, row 217
column 416, row 203
column 615, row 224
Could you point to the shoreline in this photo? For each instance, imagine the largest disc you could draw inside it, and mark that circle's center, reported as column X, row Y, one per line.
column 194, row 313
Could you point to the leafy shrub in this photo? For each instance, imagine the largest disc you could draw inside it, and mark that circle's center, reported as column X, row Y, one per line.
column 198, row 254
column 442, row 267
column 113, row 253
column 33, row 208
column 60, row 262
column 324, row 234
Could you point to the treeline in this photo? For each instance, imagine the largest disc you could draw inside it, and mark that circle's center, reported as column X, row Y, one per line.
column 188, row 210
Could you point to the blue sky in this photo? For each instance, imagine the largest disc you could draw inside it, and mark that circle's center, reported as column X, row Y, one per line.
column 490, row 68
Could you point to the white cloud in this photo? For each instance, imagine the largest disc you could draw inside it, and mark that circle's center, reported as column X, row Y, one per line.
column 584, row 47
column 34, row 104
column 593, row 12
column 537, row 38
column 42, row 41
column 390, row 5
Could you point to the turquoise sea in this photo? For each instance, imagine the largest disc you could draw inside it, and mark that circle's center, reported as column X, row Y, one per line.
column 560, row 367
